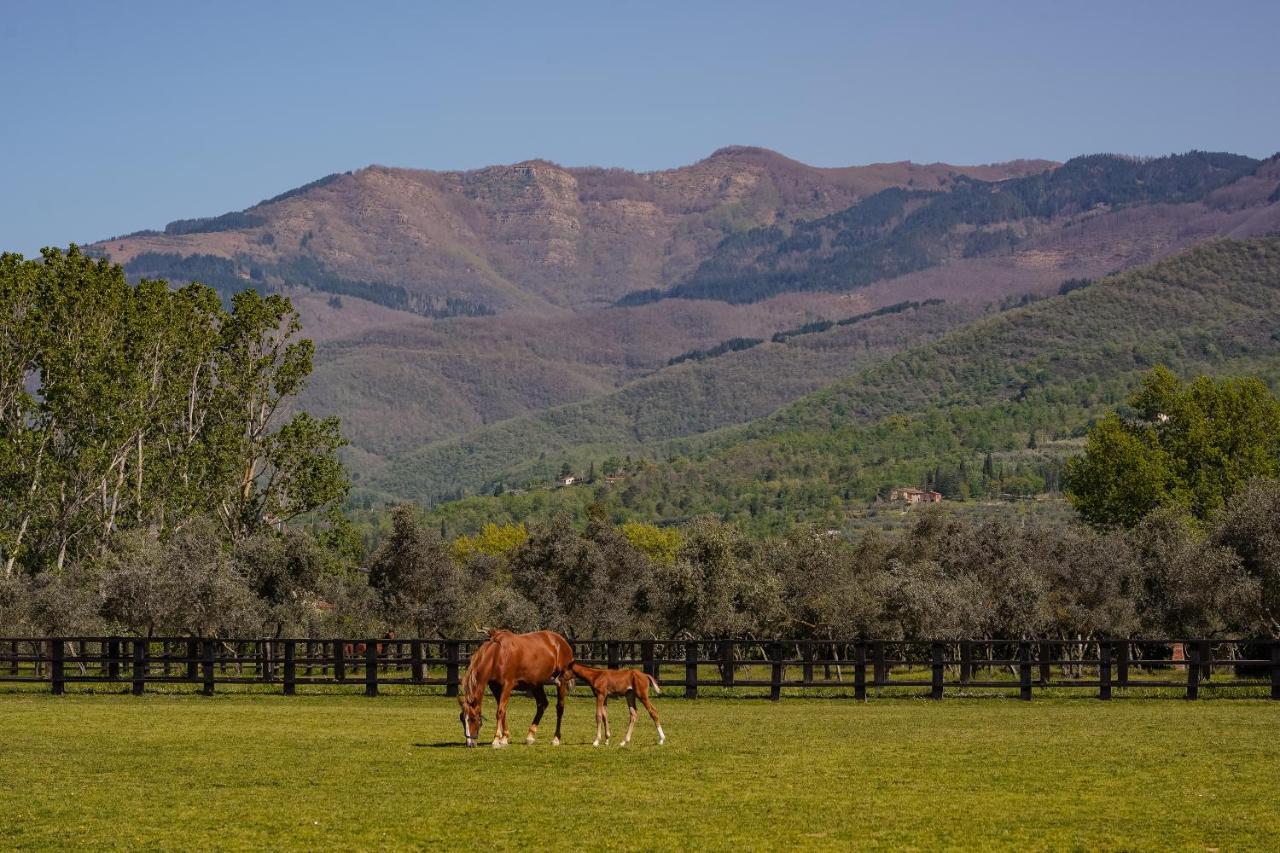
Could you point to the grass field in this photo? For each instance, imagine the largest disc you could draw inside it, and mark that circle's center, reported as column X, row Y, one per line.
column 342, row 771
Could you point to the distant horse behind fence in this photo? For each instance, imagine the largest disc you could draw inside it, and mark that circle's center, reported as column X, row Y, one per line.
column 856, row 668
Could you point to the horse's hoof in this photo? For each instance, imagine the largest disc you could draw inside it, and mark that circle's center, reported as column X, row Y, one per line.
column 595, row 743
column 529, row 740
column 555, row 742
column 497, row 744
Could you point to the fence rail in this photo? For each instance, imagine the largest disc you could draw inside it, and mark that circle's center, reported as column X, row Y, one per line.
column 864, row 666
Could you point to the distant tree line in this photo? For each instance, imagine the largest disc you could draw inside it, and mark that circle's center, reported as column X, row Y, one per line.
column 946, row 576
column 230, row 276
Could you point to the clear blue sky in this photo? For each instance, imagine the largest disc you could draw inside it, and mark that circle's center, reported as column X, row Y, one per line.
column 120, row 116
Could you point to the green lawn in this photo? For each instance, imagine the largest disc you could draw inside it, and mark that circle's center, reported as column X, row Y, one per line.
column 320, row 771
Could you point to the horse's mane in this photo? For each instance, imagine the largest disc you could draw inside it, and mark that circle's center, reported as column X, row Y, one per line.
column 472, row 682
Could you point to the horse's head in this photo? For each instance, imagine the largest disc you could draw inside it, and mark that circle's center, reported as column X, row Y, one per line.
column 568, row 678
column 470, row 717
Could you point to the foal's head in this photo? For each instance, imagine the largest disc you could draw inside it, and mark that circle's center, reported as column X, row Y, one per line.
column 568, row 678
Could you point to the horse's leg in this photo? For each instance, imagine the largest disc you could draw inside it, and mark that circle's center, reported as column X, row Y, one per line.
column 501, row 736
column 540, row 697
column 599, row 718
column 496, row 690
column 604, row 712
column 561, row 692
column 631, row 721
column 653, row 713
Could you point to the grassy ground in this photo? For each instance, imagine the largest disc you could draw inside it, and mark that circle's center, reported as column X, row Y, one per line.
column 252, row 771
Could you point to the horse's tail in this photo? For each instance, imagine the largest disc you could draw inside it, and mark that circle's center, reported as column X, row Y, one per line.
column 653, row 682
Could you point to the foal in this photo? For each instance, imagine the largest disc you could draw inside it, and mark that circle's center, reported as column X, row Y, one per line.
column 617, row 682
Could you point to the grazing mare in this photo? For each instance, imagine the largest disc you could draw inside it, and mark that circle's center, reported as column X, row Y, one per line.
column 617, row 682
column 507, row 662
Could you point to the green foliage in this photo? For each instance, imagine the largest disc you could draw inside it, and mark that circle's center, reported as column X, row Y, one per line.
column 660, row 544
column 493, row 540
column 142, row 407
column 1190, row 446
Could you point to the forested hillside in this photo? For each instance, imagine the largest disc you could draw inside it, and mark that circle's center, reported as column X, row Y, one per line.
column 642, row 418
column 950, row 408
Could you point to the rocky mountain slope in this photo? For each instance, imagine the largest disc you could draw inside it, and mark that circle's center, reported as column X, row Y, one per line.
column 447, row 302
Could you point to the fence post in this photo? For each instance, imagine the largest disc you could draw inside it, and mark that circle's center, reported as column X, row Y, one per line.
column 371, row 668
column 726, row 663
column 611, row 653
column 1206, row 660
column 1122, row 665
column 339, row 663
column 860, row 671
column 936, row 664
column 193, row 659
column 207, row 653
column 1104, row 669
column 1046, row 663
column 290, row 667
column 806, row 650
column 1193, row 671
column 646, row 659
column 966, row 661
column 1024, row 671
column 13, row 660
column 881, row 670
column 1275, row 669
column 775, row 672
column 57, row 675
column 451, row 668
column 415, row 661
column 691, row 670
column 139, row 665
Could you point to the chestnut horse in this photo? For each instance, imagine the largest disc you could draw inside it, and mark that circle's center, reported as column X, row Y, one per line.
column 507, row 662
column 605, row 683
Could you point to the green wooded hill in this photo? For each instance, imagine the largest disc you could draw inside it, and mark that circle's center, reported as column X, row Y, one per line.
column 956, row 411
column 695, row 396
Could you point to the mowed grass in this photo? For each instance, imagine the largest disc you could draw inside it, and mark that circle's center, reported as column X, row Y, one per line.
column 349, row 772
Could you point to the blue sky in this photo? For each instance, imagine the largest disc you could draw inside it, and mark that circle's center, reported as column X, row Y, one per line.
column 120, row 116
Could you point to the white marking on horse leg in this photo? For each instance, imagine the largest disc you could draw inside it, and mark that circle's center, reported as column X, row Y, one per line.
column 555, row 741
column 662, row 738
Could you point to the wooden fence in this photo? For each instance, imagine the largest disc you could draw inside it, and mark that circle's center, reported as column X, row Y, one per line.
column 857, row 666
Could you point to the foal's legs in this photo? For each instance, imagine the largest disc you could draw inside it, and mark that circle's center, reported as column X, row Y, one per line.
column 653, row 713
column 601, row 719
column 631, row 721
column 539, row 694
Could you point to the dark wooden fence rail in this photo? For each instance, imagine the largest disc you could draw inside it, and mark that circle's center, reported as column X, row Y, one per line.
column 861, row 665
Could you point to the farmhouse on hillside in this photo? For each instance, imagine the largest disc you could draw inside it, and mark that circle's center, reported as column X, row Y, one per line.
column 911, row 495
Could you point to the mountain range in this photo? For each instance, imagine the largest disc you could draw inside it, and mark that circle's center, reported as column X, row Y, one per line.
column 485, row 327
